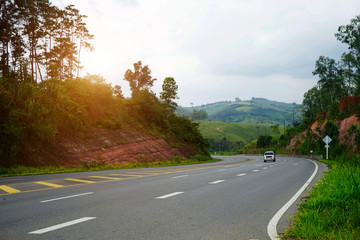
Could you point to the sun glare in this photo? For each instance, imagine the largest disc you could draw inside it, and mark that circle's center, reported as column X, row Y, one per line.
column 95, row 63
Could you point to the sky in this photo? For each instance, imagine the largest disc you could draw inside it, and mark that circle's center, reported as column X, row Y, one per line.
column 216, row 50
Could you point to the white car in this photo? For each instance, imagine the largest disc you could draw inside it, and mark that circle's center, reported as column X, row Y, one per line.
column 269, row 156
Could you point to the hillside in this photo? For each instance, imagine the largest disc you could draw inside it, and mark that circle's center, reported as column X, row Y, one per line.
column 234, row 132
column 254, row 111
column 106, row 147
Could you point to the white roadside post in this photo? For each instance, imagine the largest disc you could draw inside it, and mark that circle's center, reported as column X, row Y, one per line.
column 327, row 140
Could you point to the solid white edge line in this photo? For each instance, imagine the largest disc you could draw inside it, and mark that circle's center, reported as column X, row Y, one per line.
column 62, row 225
column 169, row 195
column 271, row 228
column 72, row 196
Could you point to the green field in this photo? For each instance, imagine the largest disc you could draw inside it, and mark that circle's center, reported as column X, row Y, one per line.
column 233, row 131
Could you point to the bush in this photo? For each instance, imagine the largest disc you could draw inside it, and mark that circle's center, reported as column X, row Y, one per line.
column 263, row 141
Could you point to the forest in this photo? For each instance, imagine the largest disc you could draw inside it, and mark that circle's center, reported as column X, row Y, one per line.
column 43, row 98
column 338, row 80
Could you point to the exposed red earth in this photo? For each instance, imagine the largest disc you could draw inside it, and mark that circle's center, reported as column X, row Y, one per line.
column 344, row 125
column 107, row 147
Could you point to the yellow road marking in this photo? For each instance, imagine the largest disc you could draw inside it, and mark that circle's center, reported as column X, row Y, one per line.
column 127, row 175
column 49, row 184
column 79, row 180
column 9, row 189
column 143, row 173
column 112, row 178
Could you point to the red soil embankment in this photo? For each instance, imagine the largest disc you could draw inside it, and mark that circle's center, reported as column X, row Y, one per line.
column 108, row 147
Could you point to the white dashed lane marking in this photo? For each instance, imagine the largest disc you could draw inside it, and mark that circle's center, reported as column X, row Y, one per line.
column 62, row 225
column 61, row 198
column 180, row 176
column 169, row 195
column 256, row 170
column 216, row 182
column 241, row 174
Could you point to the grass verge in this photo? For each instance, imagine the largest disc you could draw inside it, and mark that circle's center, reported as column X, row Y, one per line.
column 176, row 161
column 225, row 153
column 332, row 210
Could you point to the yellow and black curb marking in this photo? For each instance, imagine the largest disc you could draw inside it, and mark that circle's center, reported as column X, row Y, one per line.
column 68, row 182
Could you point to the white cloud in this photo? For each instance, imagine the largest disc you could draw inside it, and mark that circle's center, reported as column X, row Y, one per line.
column 216, row 50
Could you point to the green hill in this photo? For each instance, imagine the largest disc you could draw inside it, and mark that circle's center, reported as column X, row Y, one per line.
column 229, row 137
column 254, row 111
column 233, row 132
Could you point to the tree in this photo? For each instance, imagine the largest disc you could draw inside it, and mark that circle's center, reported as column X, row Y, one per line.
column 263, row 141
column 330, row 75
column 312, row 103
column 199, row 114
column 118, row 92
column 349, row 74
column 350, row 35
column 139, row 79
column 275, row 129
column 331, row 130
column 169, row 93
column 40, row 41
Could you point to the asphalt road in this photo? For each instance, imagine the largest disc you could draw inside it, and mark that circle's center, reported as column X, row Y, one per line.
column 231, row 199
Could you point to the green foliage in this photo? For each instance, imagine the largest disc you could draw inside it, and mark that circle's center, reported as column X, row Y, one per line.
column 331, row 130
column 224, row 145
column 97, row 165
column 188, row 131
column 169, row 93
column 176, row 159
column 199, row 114
column 333, row 208
column 139, row 79
column 41, row 112
column 263, row 141
column 336, row 79
column 108, row 124
column 42, row 100
column 230, row 137
column 41, row 41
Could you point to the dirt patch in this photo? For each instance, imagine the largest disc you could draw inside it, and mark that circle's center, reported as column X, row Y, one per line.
column 343, row 129
column 319, row 124
column 346, row 103
column 106, row 147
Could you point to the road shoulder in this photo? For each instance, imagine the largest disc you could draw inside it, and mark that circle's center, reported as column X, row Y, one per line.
column 285, row 220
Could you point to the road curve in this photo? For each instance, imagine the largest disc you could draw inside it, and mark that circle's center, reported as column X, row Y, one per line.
column 231, row 199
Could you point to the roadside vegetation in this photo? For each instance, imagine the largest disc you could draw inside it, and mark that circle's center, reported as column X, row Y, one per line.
column 43, row 99
column 332, row 210
column 100, row 166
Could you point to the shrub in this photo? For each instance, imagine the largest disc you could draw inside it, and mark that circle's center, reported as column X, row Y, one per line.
column 263, row 141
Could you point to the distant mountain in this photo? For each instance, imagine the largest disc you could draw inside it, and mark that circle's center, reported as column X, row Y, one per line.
column 254, row 111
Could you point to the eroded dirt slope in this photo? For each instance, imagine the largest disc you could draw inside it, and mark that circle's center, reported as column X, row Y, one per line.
column 107, row 147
